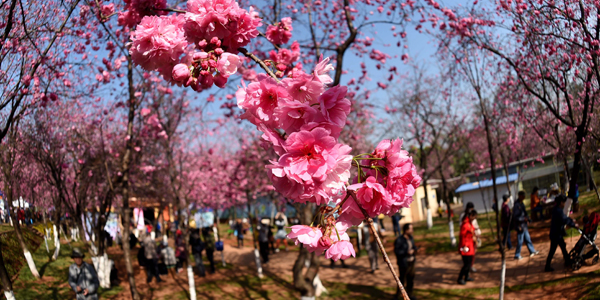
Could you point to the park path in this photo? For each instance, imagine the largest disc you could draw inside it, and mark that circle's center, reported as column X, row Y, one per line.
column 438, row 271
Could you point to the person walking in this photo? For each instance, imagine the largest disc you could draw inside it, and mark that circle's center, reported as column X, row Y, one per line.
column 505, row 221
column 281, row 234
column 396, row 223
column 238, row 227
column 380, row 221
column 167, row 254
column 197, row 247
column 371, row 245
column 468, row 208
column 180, row 251
column 557, row 232
column 537, row 211
column 467, row 246
column 263, row 229
column 83, row 279
column 151, row 258
column 521, row 219
column 209, row 242
column 405, row 250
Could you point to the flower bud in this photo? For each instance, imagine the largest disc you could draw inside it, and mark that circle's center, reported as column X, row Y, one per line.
column 181, row 73
column 325, row 241
column 206, row 81
column 202, row 44
column 220, row 80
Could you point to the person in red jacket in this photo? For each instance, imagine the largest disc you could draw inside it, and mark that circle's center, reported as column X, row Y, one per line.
column 467, row 246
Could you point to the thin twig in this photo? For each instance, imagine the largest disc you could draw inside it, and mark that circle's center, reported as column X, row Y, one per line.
column 259, row 62
column 338, row 206
column 380, row 245
column 274, row 45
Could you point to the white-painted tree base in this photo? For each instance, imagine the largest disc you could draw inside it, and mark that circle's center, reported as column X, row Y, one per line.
column 31, row 264
column 567, row 208
column 9, row 295
column 319, row 288
column 429, row 219
column 56, row 243
column 56, row 249
column 103, row 266
column 191, row 282
column 258, row 266
column 451, row 229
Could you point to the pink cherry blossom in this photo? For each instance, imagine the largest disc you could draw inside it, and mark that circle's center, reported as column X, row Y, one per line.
column 158, row 42
column 292, row 114
column 135, row 10
column 181, row 73
column 334, row 106
column 340, row 250
column 232, row 26
column 304, row 88
column 228, row 64
column 402, row 182
column 308, row 155
column 309, row 236
column 371, row 196
column 322, row 70
column 107, row 10
column 261, row 100
column 281, row 32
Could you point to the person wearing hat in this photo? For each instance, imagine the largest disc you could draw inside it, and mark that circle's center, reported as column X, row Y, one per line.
column 83, row 278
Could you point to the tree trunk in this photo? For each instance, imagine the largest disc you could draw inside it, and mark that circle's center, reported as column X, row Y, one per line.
column 55, row 228
column 447, row 201
column 6, row 284
column 19, row 234
column 254, row 242
column 495, row 189
column 581, row 133
column 303, row 281
column 125, row 181
column 423, row 163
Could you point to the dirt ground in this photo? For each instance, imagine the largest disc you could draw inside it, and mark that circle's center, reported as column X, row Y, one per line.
column 434, row 272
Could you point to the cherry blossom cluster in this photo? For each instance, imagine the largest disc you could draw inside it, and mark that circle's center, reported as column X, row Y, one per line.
column 281, row 32
column 330, row 238
column 299, row 113
column 301, row 119
column 198, row 48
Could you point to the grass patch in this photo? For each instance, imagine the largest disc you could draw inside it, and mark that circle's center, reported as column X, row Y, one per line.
column 54, row 285
column 471, row 293
column 338, row 290
column 244, row 287
column 5, row 228
column 12, row 252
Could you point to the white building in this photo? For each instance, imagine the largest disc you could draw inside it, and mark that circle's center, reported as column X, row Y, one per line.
column 481, row 193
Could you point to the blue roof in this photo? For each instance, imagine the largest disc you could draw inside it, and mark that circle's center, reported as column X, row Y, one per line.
column 485, row 183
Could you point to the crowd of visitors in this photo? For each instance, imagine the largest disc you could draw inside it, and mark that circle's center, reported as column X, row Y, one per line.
column 159, row 258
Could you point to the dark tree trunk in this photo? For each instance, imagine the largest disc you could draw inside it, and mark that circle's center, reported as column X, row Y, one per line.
column 125, row 184
column 303, row 281
column 495, row 189
column 581, row 133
